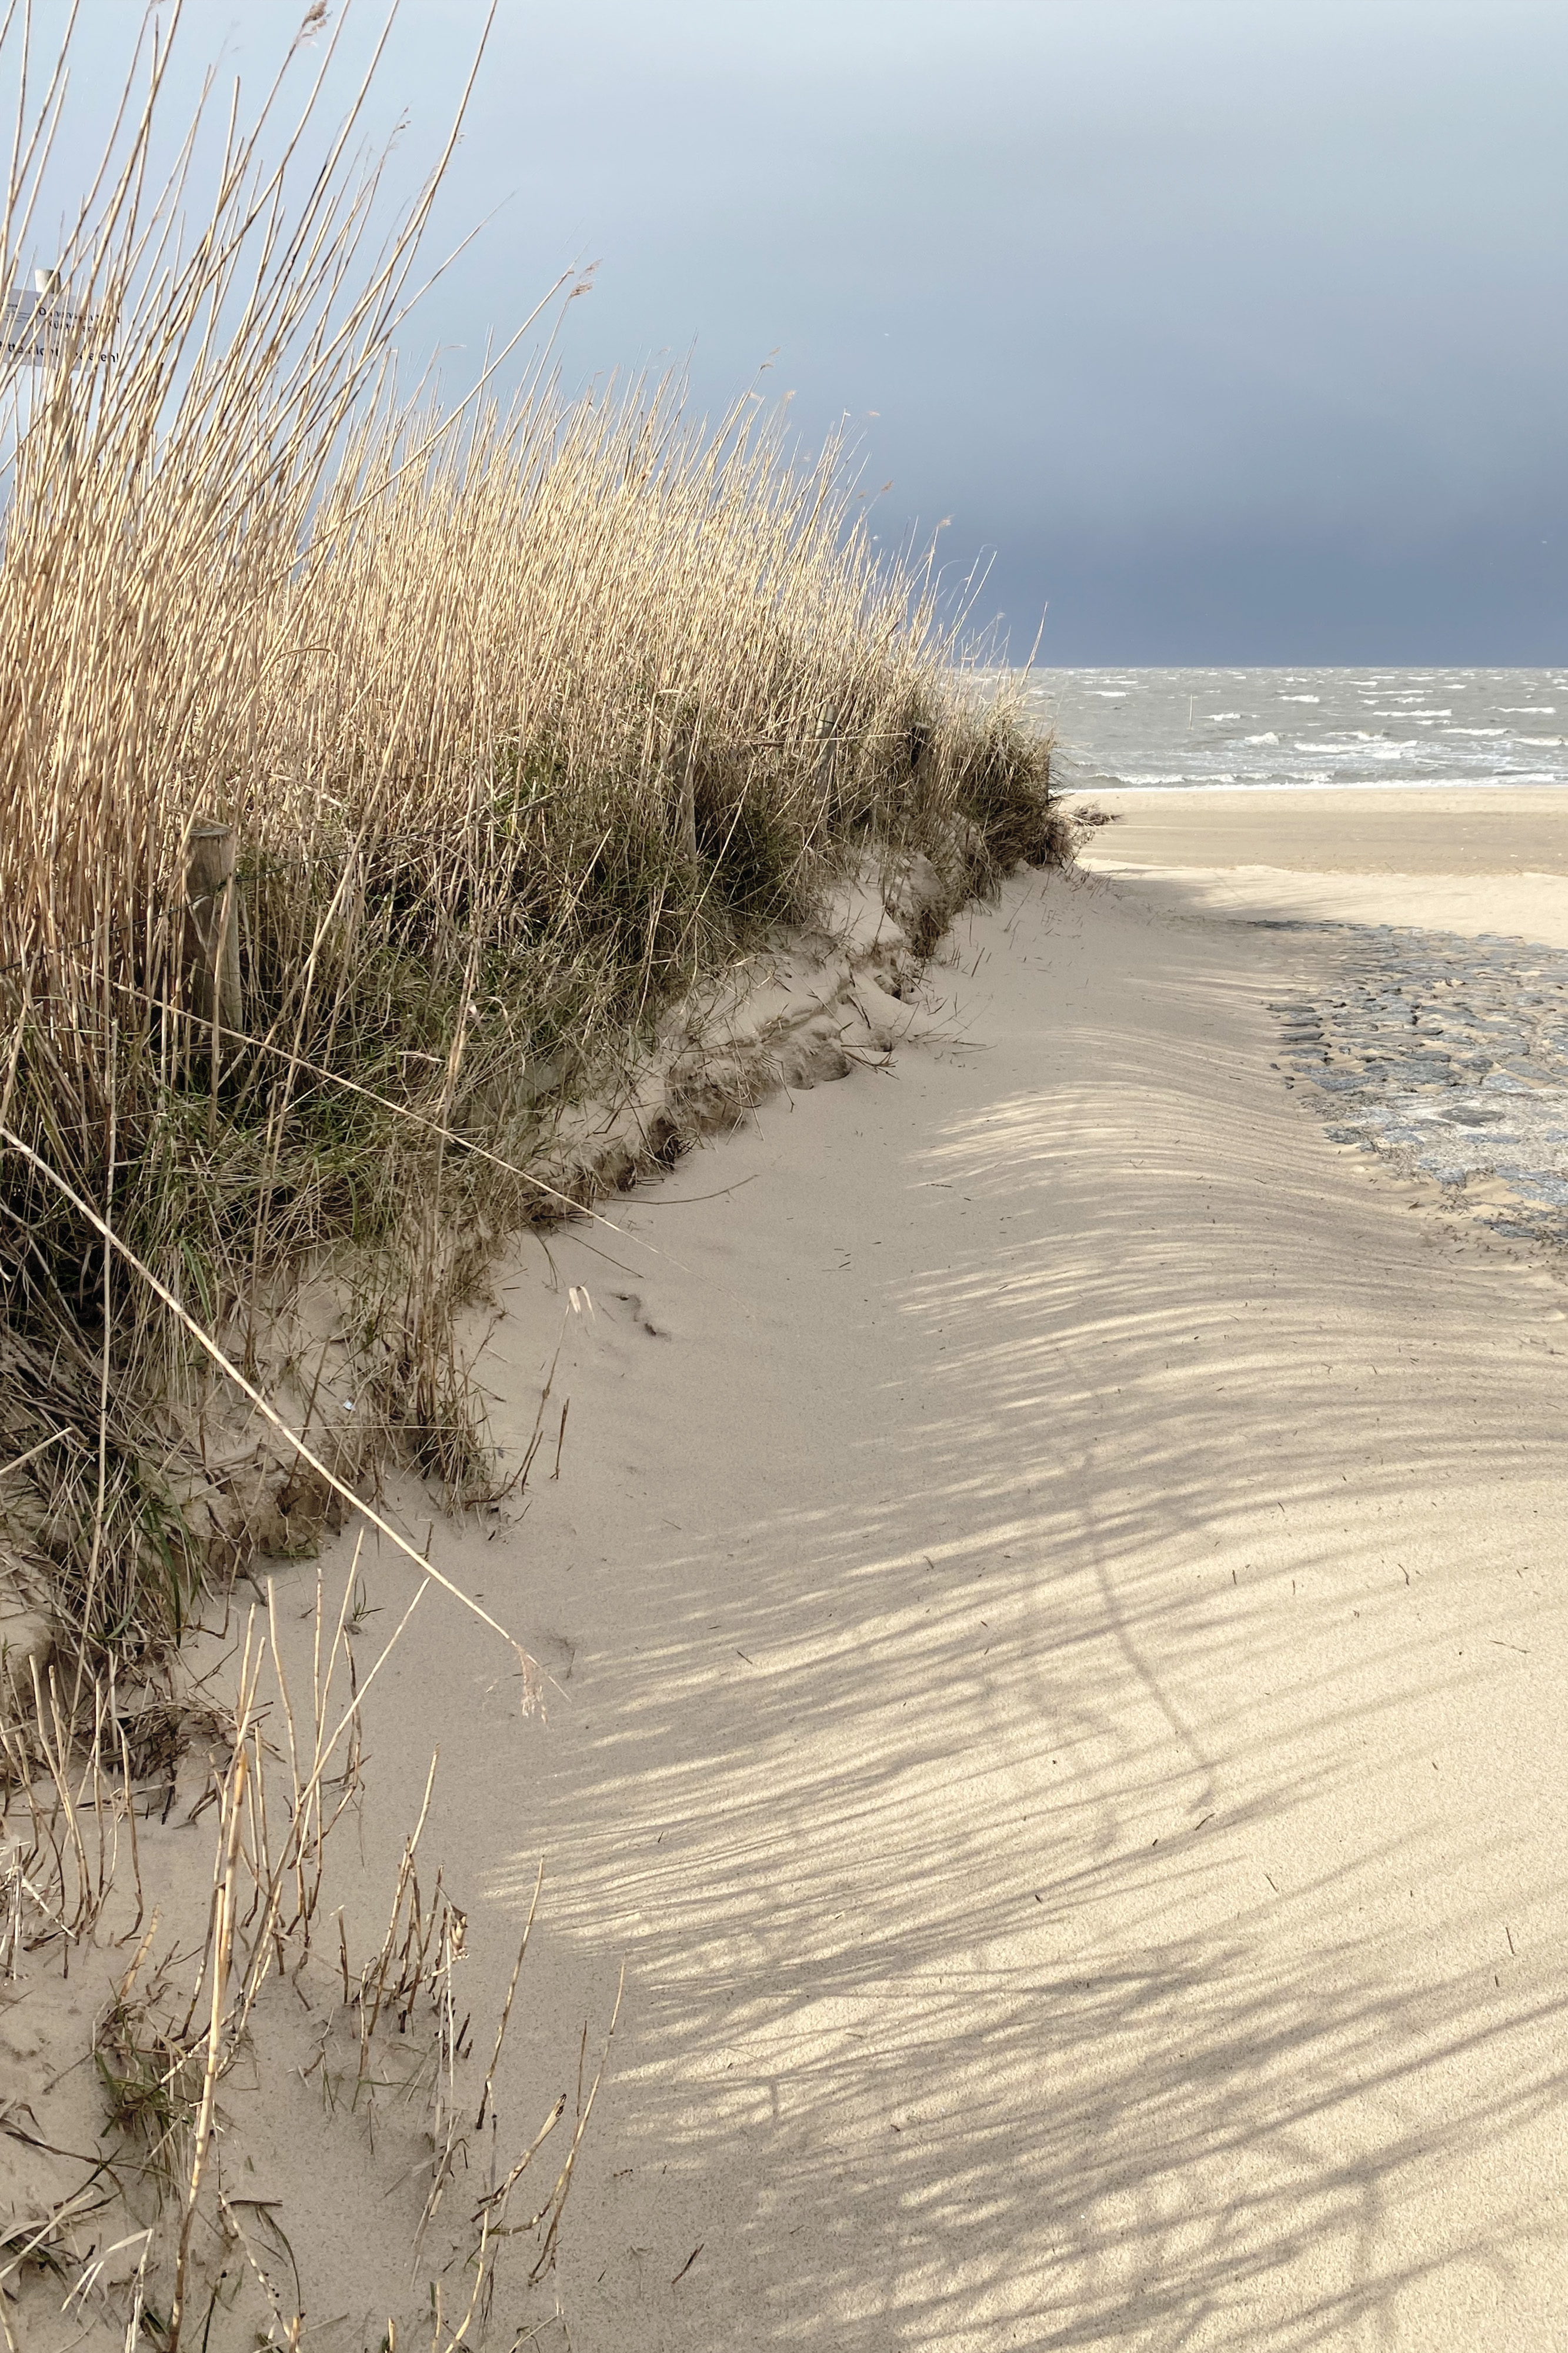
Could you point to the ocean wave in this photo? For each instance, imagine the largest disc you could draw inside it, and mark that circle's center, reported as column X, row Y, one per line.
column 1318, row 730
column 1333, row 784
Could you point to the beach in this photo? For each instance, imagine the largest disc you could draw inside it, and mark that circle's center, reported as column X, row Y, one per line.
column 781, row 1400
column 1043, row 1561
column 1466, row 832
column 1053, row 1601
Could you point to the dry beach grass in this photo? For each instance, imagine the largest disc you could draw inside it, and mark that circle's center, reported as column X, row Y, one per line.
column 515, row 725
column 375, row 780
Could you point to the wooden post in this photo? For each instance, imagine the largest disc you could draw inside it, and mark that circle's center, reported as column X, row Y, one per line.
column 212, row 927
column 686, row 802
column 827, row 758
column 686, row 817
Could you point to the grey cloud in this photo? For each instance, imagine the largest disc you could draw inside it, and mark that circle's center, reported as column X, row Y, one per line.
column 1236, row 327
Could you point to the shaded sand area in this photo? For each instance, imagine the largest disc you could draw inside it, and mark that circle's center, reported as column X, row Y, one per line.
column 1056, row 1588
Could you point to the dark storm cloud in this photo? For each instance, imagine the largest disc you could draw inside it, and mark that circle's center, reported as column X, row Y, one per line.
column 1237, row 331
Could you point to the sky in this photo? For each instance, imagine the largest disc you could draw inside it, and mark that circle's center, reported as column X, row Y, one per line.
column 1208, row 331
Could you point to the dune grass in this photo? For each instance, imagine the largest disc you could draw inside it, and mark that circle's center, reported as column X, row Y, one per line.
column 521, row 721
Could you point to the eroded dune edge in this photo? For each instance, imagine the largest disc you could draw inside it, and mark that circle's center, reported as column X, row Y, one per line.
column 416, row 821
column 1044, row 1566
column 184, row 2005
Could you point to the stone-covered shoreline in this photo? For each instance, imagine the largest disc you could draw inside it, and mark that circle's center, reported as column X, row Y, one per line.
column 1447, row 1056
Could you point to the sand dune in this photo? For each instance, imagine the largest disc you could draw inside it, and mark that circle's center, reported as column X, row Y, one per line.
column 1054, row 1594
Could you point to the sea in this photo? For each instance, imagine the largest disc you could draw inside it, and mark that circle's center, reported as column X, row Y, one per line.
column 1290, row 730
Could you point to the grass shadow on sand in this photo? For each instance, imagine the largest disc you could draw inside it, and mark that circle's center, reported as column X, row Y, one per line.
column 1052, row 1915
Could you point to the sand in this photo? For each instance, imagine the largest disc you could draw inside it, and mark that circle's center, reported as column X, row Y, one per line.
column 1429, row 830
column 1492, row 858
column 1055, row 1588
column 1055, row 1600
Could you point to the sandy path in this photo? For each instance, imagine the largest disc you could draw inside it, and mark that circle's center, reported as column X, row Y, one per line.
column 1062, row 1657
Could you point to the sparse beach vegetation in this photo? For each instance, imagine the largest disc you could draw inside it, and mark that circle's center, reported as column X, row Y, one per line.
column 378, row 778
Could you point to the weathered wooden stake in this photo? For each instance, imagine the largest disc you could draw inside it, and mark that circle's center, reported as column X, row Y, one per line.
column 212, row 927
column 827, row 758
column 686, row 805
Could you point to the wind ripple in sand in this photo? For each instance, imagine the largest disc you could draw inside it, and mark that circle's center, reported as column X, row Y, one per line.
column 1449, row 1056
